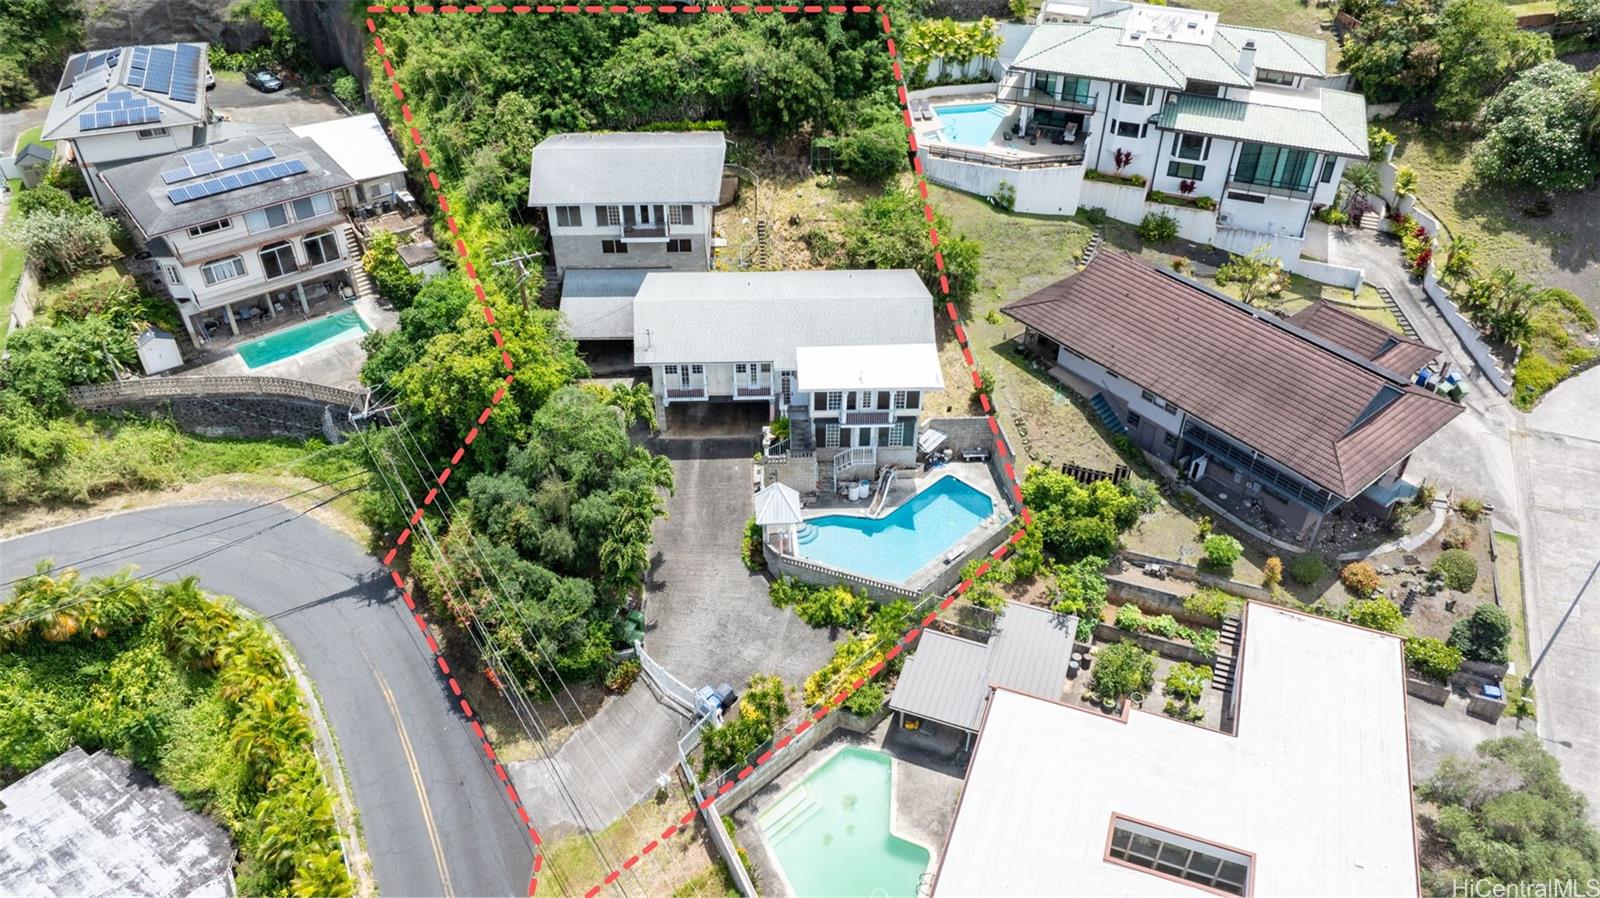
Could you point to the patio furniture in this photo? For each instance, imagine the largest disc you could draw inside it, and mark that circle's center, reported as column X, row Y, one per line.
column 974, row 455
column 1070, row 132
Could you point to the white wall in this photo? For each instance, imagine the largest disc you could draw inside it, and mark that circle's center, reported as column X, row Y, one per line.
column 118, row 145
column 1217, row 162
column 1122, row 388
column 1040, row 191
column 1124, row 203
column 194, row 285
column 1277, row 215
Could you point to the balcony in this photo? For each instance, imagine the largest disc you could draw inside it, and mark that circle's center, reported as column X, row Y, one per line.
column 1282, row 189
column 656, row 230
column 691, row 392
column 753, row 391
column 1041, row 99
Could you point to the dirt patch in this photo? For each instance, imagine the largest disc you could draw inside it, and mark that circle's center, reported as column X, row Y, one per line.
column 792, row 200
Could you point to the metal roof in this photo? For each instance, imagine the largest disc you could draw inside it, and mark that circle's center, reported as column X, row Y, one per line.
column 598, row 302
column 1336, row 122
column 777, row 504
column 948, row 679
column 358, row 144
column 139, row 187
column 1295, row 397
column 612, row 168
column 727, row 316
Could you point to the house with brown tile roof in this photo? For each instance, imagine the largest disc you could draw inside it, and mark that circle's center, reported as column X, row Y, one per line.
column 1267, row 411
column 1370, row 339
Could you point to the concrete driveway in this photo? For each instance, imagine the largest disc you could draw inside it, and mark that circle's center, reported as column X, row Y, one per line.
column 433, row 816
column 1542, row 473
column 290, row 106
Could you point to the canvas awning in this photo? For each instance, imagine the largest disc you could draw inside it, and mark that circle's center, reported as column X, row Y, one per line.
column 778, row 505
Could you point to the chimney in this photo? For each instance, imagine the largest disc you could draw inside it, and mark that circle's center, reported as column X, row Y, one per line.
column 1247, row 60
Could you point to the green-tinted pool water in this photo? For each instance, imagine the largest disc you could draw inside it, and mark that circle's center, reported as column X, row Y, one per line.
column 831, row 832
column 346, row 325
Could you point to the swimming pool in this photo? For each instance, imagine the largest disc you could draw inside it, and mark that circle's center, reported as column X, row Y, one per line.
column 346, row 325
column 972, row 124
column 831, row 832
column 897, row 545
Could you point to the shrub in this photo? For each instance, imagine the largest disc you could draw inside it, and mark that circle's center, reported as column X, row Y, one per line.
column 1221, row 551
column 389, row 272
column 1483, row 636
column 1130, row 618
column 346, row 88
column 1359, row 578
column 867, row 700
column 1432, row 658
column 1470, row 508
column 1205, row 202
column 874, row 153
column 1307, row 569
column 1185, row 682
column 1121, row 670
column 65, row 241
column 1457, row 537
column 1379, row 140
column 620, row 678
column 1458, row 569
column 1158, row 227
column 1164, row 625
column 1272, row 572
column 1094, row 215
column 1537, row 132
column 1208, row 601
column 1202, row 527
column 1005, row 196
column 1377, row 613
column 1081, row 589
column 750, row 546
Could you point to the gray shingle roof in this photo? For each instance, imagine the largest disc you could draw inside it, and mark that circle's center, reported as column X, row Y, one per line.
column 948, row 678
column 724, row 316
column 598, row 302
column 1337, row 125
column 627, row 167
column 141, row 191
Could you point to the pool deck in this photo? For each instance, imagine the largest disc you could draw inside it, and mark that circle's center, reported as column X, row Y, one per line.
column 927, row 786
column 336, row 365
column 974, row 474
column 931, row 132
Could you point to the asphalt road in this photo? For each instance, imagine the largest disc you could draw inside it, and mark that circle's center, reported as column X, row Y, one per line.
column 434, row 819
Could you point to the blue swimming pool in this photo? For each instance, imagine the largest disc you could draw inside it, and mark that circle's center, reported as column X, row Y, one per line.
column 346, row 325
column 897, row 545
column 972, row 124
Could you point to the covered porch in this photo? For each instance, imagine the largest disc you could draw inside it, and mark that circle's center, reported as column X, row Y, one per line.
column 220, row 325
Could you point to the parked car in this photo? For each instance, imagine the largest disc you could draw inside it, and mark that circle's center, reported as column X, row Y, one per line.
column 263, row 80
column 211, row 79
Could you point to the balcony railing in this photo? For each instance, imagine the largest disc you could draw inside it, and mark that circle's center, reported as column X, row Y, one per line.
column 1066, row 158
column 694, row 392
column 656, row 230
column 753, row 391
column 1042, row 99
column 859, row 416
column 1272, row 188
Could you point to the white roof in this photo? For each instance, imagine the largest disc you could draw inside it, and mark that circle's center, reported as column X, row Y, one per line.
column 358, row 144
column 902, row 366
column 1316, row 783
column 765, row 316
column 777, row 505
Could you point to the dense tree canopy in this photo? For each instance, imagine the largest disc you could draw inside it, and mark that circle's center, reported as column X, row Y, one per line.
column 1537, row 131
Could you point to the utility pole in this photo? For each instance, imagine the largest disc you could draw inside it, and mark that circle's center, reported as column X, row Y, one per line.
column 520, row 260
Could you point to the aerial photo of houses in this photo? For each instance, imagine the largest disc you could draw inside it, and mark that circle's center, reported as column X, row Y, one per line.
column 917, row 449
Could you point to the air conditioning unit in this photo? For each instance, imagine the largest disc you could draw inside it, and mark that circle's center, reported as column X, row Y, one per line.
column 1224, row 218
column 1237, row 477
column 1252, row 487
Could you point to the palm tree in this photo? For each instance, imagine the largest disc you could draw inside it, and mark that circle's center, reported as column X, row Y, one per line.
column 657, row 467
column 194, row 624
column 249, row 663
column 1363, row 180
column 1458, row 261
column 637, row 402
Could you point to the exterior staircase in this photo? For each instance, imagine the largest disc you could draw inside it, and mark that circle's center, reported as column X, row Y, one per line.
column 1399, row 313
column 1096, row 240
column 1108, row 416
column 1224, row 668
column 763, row 245
column 358, row 274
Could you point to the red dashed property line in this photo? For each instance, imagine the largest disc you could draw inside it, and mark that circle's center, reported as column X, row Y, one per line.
column 686, row 822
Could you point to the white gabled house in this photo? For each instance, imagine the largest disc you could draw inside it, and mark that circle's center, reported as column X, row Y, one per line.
column 128, row 103
column 846, row 356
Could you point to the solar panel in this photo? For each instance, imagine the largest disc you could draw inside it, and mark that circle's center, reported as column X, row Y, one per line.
column 205, row 162
column 235, row 180
column 260, row 154
column 186, row 73
column 75, row 67
column 158, row 77
column 138, row 66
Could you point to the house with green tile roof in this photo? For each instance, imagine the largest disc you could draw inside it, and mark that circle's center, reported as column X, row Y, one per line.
column 1236, row 132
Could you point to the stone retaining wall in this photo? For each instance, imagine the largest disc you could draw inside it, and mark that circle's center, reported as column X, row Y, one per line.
column 1427, row 690
column 243, row 417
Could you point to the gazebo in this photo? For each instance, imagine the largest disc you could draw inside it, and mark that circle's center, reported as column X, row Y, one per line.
column 778, row 505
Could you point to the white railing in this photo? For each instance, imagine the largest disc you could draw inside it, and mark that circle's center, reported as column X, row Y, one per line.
column 853, row 458
column 669, row 686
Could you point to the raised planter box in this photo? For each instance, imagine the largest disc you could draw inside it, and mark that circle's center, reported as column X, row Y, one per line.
column 1166, row 648
column 1427, row 690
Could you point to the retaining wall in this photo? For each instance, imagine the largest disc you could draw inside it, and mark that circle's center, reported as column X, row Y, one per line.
column 1166, row 648
column 1153, row 601
column 1427, row 690
column 1195, row 575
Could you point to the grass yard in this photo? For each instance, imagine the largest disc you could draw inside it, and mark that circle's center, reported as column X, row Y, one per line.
column 1047, row 422
column 1508, row 571
column 1558, row 250
column 682, row 865
column 12, row 261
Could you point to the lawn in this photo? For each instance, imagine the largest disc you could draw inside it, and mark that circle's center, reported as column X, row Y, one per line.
column 1508, row 572
column 793, row 202
column 683, row 864
column 1049, row 423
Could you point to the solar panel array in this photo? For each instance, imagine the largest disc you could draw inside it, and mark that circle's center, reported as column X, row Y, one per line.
column 205, row 162
column 174, row 71
column 235, row 180
column 119, row 108
column 186, row 74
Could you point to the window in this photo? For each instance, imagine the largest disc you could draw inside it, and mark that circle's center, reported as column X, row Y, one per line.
column 611, row 247
column 173, row 276
column 222, row 270
column 1186, row 170
column 1268, row 76
column 312, row 206
column 1134, row 420
column 830, row 436
column 1246, row 197
column 1204, row 88
column 1191, row 146
column 377, row 189
column 1157, row 401
column 680, row 246
column 1131, row 129
column 569, row 216
column 607, row 215
column 680, row 215
column 152, row 133
column 1327, row 169
column 833, row 402
column 1134, row 94
column 1272, row 166
column 211, row 227
column 321, row 248
column 897, row 434
column 267, row 219
column 277, row 260
column 1179, row 857
column 750, row 372
column 899, row 400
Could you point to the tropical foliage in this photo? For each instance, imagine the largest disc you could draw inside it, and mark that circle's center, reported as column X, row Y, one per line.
column 889, row 231
column 1076, row 521
column 35, row 36
column 1120, row 670
column 1484, row 636
column 940, row 50
column 177, row 681
column 760, row 710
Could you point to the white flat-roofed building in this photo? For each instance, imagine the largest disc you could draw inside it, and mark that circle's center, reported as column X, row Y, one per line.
column 359, row 145
column 1311, row 794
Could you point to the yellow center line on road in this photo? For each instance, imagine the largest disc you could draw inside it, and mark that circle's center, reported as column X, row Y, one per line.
column 416, row 779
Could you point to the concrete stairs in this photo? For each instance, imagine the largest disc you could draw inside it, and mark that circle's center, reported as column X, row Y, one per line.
column 1224, row 668
column 763, row 258
column 1096, row 241
column 1107, row 415
column 358, row 274
column 1399, row 313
